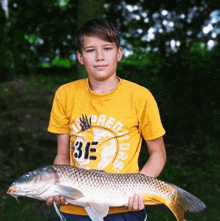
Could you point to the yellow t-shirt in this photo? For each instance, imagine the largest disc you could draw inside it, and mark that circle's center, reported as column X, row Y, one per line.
column 105, row 130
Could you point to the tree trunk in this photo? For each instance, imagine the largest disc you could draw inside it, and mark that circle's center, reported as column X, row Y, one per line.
column 88, row 10
column 6, row 72
column 5, row 7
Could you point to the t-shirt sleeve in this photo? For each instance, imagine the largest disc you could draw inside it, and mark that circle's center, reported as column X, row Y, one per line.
column 150, row 125
column 59, row 121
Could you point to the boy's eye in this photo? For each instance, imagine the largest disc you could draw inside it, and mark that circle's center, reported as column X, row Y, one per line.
column 107, row 48
column 90, row 50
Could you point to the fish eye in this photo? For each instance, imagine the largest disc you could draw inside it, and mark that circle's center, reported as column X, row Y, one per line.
column 26, row 176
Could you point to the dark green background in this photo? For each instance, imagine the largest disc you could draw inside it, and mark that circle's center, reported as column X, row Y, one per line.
column 185, row 85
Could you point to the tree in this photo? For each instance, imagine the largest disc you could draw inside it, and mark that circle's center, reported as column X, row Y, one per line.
column 154, row 24
column 145, row 26
column 6, row 73
column 33, row 39
column 88, row 10
column 4, row 4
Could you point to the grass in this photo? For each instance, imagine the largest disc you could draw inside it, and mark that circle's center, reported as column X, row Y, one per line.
column 192, row 148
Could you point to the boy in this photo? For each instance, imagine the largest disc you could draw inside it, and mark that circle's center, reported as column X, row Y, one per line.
column 100, row 121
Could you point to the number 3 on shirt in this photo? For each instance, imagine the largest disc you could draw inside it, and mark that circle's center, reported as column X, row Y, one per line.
column 88, row 149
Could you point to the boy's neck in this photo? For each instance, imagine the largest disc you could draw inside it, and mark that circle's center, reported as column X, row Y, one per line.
column 102, row 87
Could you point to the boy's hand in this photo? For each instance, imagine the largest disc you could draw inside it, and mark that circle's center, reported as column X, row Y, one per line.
column 59, row 200
column 135, row 203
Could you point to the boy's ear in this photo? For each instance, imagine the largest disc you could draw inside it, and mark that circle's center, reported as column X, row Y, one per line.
column 80, row 57
column 120, row 53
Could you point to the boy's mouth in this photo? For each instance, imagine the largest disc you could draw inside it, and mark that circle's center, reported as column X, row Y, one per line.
column 100, row 66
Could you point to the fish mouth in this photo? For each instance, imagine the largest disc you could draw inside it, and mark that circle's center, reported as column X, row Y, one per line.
column 19, row 191
column 12, row 190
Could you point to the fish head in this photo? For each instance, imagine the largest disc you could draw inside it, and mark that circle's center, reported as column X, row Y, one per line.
column 33, row 184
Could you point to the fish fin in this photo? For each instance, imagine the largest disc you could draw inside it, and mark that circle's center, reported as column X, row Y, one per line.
column 189, row 201
column 68, row 192
column 177, row 210
column 94, row 216
column 62, row 218
column 151, row 200
column 183, row 201
column 99, row 208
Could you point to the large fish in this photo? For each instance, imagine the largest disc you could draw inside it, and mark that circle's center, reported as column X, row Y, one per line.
column 97, row 190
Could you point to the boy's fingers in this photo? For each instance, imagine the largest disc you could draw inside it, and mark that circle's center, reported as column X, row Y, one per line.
column 50, row 201
column 63, row 201
column 130, row 203
column 141, row 203
column 135, row 202
column 57, row 200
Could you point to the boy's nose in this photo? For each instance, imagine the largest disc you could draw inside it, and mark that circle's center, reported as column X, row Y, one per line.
column 99, row 56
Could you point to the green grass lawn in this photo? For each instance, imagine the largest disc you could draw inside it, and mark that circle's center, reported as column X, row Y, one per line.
column 192, row 144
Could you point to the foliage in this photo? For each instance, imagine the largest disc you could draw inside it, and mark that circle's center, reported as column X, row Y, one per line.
column 143, row 69
column 193, row 78
column 31, row 39
column 185, row 82
column 172, row 20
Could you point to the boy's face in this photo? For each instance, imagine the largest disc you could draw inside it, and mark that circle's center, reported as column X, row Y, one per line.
column 100, row 57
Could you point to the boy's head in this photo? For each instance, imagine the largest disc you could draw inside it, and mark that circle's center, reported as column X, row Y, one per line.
column 98, row 28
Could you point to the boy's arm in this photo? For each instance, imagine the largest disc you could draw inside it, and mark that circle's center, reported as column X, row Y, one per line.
column 157, row 158
column 153, row 167
column 63, row 149
column 63, row 158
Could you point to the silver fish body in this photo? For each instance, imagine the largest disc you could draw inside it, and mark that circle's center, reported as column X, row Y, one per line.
column 98, row 190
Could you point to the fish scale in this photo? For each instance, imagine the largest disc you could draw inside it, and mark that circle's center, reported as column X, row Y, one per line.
column 100, row 181
column 98, row 190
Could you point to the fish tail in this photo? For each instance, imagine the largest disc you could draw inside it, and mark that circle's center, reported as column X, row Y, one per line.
column 183, row 201
column 189, row 201
column 177, row 209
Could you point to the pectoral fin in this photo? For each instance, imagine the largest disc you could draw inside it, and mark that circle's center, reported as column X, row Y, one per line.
column 101, row 209
column 68, row 192
column 94, row 216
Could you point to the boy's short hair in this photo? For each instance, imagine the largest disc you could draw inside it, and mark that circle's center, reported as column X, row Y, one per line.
column 100, row 28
